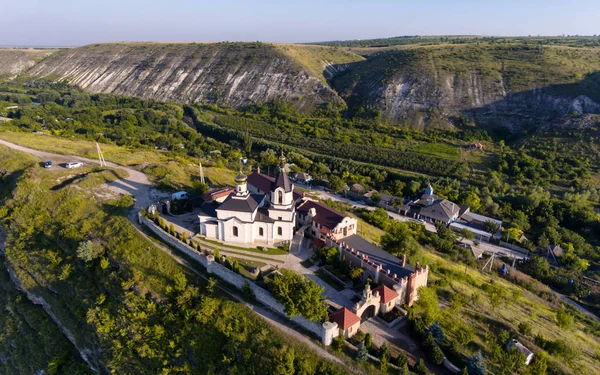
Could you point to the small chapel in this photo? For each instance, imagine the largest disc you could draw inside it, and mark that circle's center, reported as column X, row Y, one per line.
column 252, row 216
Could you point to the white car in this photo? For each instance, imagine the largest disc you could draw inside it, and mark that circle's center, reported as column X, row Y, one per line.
column 73, row 164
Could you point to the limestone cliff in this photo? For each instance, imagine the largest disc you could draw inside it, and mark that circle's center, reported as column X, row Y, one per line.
column 234, row 74
column 511, row 86
column 15, row 60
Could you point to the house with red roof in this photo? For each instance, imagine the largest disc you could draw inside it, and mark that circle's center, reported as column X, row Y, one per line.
column 325, row 221
column 347, row 321
column 388, row 298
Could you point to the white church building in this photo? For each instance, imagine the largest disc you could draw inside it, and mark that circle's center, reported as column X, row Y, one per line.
column 250, row 215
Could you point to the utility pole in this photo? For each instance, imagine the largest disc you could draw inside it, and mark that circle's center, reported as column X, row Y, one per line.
column 100, row 156
column 490, row 262
column 201, row 171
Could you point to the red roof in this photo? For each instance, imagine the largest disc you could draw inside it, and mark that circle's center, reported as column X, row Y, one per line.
column 326, row 216
column 386, row 293
column 344, row 318
column 217, row 193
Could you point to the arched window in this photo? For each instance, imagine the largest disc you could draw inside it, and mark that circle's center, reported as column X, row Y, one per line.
column 280, row 197
column 279, row 231
column 235, row 231
column 261, row 232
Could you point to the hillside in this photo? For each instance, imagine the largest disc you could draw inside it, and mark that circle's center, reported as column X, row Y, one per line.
column 512, row 84
column 505, row 85
column 13, row 61
column 234, row 74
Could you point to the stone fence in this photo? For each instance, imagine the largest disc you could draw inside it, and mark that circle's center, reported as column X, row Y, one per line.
column 234, row 278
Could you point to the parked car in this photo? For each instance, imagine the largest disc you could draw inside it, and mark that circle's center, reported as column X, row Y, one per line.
column 180, row 195
column 73, row 164
column 48, row 164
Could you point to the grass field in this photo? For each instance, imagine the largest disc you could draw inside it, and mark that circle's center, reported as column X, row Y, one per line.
column 518, row 305
column 177, row 171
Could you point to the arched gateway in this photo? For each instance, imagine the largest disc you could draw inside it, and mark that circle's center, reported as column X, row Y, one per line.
column 369, row 304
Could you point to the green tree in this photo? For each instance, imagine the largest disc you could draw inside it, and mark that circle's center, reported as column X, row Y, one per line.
column 384, row 358
column 520, row 220
column 356, row 273
column 397, row 188
column 399, row 240
column 299, row 295
column 210, row 286
column 412, row 188
column 437, row 356
column 464, row 233
column 66, row 271
column 89, row 251
column 491, row 227
column 428, row 303
column 362, row 354
column 514, row 234
column 368, row 341
column 217, row 255
column 171, row 229
column 247, row 292
column 199, row 187
column 184, row 237
column 336, row 184
column 420, row 367
column 476, row 365
column 472, row 200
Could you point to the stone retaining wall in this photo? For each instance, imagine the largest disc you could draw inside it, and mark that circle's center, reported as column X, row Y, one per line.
column 232, row 278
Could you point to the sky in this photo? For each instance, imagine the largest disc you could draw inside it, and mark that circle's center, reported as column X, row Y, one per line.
column 74, row 23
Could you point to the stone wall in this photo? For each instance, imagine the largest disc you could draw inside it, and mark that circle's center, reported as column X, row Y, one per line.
column 406, row 286
column 233, row 278
column 165, row 237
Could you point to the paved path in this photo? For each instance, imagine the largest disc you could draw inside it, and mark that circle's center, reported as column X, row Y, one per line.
column 301, row 253
column 138, row 185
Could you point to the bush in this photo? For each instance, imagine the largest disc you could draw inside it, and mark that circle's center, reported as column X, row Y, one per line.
column 247, row 292
column 436, row 355
column 563, row 319
column 184, row 237
column 217, row 255
column 338, row 343
column 525, row 328
column 420, row 367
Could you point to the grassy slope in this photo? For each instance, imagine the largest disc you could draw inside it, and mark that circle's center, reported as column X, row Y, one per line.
column 316, row 58
column 526, row 307
column 181, row 169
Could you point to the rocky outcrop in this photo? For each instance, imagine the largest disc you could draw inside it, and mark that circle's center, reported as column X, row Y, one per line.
column 506, row 86
column 234, row 74
column 13, row 60
column 89, row 356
